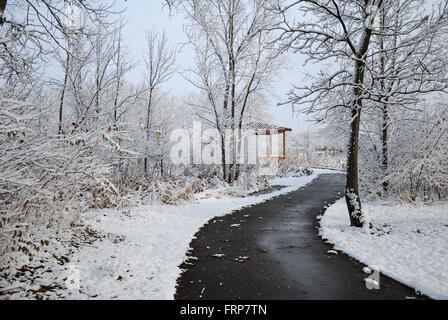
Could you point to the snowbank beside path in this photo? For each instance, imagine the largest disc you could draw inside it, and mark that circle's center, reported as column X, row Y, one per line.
column 408, row 243
column 156, row 242
column 140, row 250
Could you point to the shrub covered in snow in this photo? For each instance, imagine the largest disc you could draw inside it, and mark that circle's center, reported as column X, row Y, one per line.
column 417, row 167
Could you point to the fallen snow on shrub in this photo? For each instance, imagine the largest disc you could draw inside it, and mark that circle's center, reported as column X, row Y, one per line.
column 407, row 242
column 136, row 255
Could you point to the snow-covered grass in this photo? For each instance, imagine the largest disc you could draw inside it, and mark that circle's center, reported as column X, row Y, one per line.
column 138, row 253
column 407, row 242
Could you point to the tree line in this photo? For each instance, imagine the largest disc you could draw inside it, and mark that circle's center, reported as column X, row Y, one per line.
column 85, row 136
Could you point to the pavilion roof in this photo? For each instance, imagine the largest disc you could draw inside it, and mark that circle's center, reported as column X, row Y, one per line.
column 264, row 127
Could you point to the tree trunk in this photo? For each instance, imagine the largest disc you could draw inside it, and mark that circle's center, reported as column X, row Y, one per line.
column 118, row 75
column 148, row 114
column 352, row 190
column 145, row 165
column 61, row 105
column 385, row 111
column 385, row 149
column 2, row 11
column 232, row 66
column 223, row 157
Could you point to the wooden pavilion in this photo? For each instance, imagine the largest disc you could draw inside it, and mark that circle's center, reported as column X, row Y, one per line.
column 261, row 128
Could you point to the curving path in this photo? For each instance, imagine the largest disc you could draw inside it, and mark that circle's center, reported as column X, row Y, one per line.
column 272, row 251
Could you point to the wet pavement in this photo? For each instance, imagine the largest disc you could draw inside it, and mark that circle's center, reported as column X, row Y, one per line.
column 272, row 251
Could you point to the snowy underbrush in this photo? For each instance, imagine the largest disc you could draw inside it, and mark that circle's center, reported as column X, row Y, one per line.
column 417, row 158
column 290, row 167
column 191, row 185
column 115, row 253
column 413, row 182
column 51, row 181
column 31, row 259
column 97, row 192
column 407, row 242
column 321, row 159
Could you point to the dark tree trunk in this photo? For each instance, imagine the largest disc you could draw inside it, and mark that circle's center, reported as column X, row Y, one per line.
column 232, row 67
column 385, row 111
column 385, row 150
column 61, row 105
column 223, row 158
column 117, row 91
column 148, row 114
column 145, row 165
column 352, row 189
column 2, row 11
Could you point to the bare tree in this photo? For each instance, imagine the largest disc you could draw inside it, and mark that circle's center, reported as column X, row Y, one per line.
column 43, row 173
column 160, row 66
column 342, row 33
column 407, row 67
column 235, row 63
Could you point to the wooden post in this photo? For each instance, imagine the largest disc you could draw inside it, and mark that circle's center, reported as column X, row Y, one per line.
column 284, row 144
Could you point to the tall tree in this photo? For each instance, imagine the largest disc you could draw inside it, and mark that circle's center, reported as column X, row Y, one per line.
column 343, row 33
column 160, row 61
column 235, row 63
column 407, row 67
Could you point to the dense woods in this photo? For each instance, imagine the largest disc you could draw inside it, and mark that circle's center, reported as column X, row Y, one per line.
column 88, row 136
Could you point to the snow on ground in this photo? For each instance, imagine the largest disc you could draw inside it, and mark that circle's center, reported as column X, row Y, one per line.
column 408, row 242
column 140, row 255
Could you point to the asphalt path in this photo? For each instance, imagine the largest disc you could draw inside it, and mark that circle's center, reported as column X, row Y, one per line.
column 272, row 251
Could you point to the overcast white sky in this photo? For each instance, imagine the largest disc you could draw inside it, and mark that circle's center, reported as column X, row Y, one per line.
column 143, row 15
